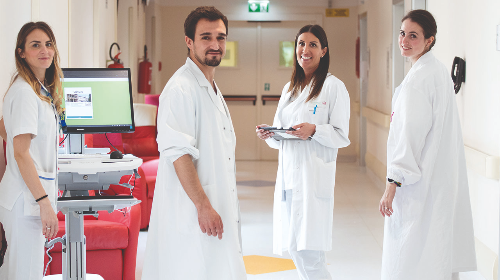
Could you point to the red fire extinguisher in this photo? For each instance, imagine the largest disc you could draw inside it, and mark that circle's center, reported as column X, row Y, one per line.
column 117, row 63
column 145, row 70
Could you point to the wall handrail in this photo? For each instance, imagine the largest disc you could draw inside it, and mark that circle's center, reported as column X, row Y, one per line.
column 483, row 164
column 270, row 98
column 377, row 117
column 252, row 98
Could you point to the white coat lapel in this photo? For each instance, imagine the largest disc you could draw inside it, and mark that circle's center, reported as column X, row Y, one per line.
column 203, row 82
column 302, row 96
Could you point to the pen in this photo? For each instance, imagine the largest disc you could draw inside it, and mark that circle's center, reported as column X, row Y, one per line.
column 315, row 109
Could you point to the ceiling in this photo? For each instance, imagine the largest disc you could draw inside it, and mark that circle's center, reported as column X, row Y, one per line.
column 290, row 3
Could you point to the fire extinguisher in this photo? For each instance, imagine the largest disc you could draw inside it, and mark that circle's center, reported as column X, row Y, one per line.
column 117, row 63
column 145, row 70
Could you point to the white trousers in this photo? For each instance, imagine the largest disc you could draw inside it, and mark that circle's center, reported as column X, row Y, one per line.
column 25, row 241
column 310, row 264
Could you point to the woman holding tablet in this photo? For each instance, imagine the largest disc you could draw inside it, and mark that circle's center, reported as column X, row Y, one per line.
column 315, row 104
column 30, row 125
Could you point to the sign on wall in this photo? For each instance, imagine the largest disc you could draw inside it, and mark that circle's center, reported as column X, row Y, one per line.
column 258, row 6
column 337, row 12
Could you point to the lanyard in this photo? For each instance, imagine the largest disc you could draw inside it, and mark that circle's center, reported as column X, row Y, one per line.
column 61, row 118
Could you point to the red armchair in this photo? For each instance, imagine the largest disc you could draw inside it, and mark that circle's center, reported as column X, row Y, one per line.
column 111, row 244
column 141, row 143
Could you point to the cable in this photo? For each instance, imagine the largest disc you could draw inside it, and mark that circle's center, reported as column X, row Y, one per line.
column 63, row 139
column 50, row 259
column 106, row 135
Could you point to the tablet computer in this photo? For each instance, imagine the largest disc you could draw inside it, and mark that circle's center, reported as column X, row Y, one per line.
column 280, row 133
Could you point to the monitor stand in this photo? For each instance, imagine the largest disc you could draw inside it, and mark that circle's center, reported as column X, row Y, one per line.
column 76, row 145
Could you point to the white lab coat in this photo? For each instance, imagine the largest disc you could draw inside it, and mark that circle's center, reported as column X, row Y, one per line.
column 430, row 234
column 193, row 120
column 25, row 113
column 309, row 167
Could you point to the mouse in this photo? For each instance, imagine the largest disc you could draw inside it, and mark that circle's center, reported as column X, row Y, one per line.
column 115, row 155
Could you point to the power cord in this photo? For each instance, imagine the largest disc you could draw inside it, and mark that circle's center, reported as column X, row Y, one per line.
column 63, row 139
column 106, row 135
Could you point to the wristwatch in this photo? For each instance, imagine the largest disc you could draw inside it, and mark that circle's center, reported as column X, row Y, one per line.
column 395, row 182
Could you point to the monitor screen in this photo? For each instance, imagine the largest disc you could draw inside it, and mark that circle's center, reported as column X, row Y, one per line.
column 97, row 100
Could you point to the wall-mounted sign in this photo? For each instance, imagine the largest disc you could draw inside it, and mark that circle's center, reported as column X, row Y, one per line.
column 258, row 6
column 337, row 12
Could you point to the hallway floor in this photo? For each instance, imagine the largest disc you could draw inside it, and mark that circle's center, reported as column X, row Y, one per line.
column 357, row 231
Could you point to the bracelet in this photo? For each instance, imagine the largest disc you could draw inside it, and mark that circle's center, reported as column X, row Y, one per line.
column 42, row 197
column 395, row 182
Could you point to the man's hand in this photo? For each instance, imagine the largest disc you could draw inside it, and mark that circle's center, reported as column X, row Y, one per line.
column 303, row 130
column 385, row 206
column 210, row 221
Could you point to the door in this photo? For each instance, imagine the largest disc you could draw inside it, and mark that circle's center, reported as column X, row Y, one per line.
column 363, row 86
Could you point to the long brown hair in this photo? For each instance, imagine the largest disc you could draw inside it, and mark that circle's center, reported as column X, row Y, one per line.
column 321, row 72
column 53, row 74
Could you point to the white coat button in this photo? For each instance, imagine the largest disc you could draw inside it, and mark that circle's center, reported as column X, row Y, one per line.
column 296, row 167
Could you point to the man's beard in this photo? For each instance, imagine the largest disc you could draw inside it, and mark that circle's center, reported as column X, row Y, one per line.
column 208, row 62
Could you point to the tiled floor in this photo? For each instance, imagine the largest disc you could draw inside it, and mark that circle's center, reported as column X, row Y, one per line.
column 357, row 232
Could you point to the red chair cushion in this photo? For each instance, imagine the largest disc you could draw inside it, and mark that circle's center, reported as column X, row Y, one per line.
column 142, row 142
column 153, row 99
column 150, row 169
column 106, row 263
column 99, row 141
column 101, row 235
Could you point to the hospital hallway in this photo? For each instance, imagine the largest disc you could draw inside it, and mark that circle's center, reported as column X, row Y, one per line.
column 357, row 225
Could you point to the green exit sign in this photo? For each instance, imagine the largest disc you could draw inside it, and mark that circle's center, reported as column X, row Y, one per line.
column 258, row 6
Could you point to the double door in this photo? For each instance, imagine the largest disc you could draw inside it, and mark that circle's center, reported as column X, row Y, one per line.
column 257, row 73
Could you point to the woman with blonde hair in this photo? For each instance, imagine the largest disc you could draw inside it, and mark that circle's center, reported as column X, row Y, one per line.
column 30, row 125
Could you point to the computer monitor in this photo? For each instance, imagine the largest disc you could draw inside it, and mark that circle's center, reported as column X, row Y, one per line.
column 98, row 100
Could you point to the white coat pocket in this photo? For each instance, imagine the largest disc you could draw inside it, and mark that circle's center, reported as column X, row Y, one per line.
column 324, row 177
column 48, row 181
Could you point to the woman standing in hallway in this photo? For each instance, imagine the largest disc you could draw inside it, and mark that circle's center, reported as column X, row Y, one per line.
column 428, row 226
column 28, row 190
column 316, row 104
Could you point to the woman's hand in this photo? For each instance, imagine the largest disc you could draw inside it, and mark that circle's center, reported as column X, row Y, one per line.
column 263, row 134
column 50, row 223
column 385, row 206
column 303, row 130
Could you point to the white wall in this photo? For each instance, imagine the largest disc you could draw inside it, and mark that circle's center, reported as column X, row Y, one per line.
column 131, row 38
column 468, row 30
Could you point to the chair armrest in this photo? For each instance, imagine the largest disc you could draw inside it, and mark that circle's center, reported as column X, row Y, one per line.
column 131, row 219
